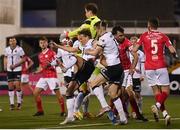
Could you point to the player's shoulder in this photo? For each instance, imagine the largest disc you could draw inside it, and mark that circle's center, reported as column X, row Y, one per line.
column 50, row 51
column 127, row 41
column 94, row 19
column 19, row 47
column 140, row 52
column 106, row 35
column 7, row 48
column 77, row 42
column 145, row 33
column 162, row 34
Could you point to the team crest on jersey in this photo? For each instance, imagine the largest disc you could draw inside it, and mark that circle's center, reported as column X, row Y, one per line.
column 103, row 40
column 46, row 56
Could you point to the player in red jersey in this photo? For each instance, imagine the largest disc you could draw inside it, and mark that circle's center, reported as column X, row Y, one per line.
column 49, row 77
column 138, row 76
column 125, row 47
column 27, row 64
column 153, row 43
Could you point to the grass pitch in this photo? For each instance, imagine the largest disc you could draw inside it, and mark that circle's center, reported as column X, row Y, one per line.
column 23, row 119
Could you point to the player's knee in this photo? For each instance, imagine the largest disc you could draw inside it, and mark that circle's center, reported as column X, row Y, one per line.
column 113, row 94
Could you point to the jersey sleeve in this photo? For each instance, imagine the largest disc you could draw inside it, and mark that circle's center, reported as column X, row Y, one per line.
column 142, row 57
column 74, row 33
column 129, row 45
column 21, row 52
column 101, row 42
column 140, row 40
column 167, row 41
column 5, row 52
column 76, row 44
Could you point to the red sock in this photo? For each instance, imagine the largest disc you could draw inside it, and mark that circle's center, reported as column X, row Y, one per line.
column 61, row 102
column 163, row 97
column 162, row 108
column 111, row 104
column 39, row 104
column 134, row 105
column 157, row 97
column 132, row 109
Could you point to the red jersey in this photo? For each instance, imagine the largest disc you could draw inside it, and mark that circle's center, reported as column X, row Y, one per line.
column 25, row 65
column 153, row 43
column 44, row 59
column 124, row 49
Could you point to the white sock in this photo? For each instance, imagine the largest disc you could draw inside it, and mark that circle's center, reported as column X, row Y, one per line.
column 158, row 105
column 164, row 113
column 19, row 96
column 119, row 107
column 139, row 103
column 100, row 95
column 11, row 97
column 78, row 101
column 70, row 107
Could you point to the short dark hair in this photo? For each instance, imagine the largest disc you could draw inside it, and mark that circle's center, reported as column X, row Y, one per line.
column 12, row 37
column 85, row 32
column 43, row 38
column 102, row 23
column 154, row 22
column 91, row 7
column 117, row 28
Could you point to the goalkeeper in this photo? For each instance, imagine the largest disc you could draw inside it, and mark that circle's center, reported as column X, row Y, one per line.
column 91, row 10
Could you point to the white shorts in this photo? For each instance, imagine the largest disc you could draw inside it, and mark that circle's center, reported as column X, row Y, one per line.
column 24, row 78
column 44, row 83
column 127, row 81
column 157, row 77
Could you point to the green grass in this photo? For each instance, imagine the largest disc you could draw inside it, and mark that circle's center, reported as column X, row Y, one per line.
column 24, row 119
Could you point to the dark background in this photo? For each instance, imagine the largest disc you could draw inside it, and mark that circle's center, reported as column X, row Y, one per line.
column 60, row 13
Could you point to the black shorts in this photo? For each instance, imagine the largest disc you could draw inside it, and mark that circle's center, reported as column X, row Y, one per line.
column 136, row 85
column 84, row 73
column 114, row 74
column 67, row 79
column 14, row 76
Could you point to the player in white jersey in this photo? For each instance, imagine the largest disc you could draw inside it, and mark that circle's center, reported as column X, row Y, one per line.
column 112, row 73
column 82, row 74
column 139, row 74
column 84, row 42
column 12, row 64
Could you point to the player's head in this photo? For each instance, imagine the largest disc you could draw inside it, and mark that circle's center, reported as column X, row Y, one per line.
column 90, row 9
column 12, row 42
column 51, row 45
column 67, row 42
column 84, row 36
column 134, row 39
column 118, row 33
column 100, row 27
column 43, row 42
column 153, row 23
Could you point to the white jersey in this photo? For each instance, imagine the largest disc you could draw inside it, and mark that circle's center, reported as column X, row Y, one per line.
column 67, row 58
column 110, row 49
column 88, row 45
column 13, row 57
column 68, row 73
column 140, row 65
column 77, row 44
